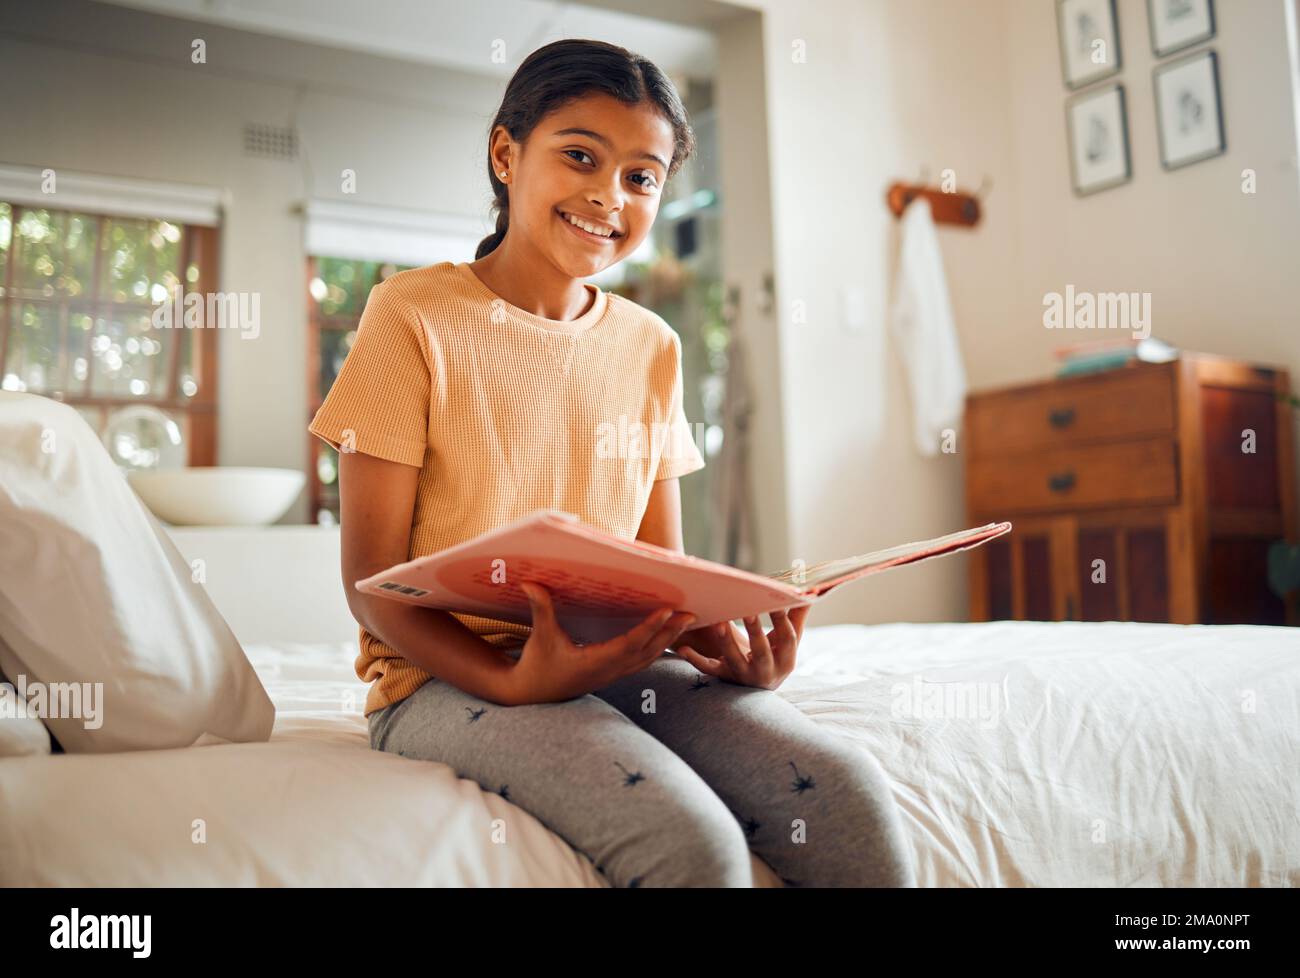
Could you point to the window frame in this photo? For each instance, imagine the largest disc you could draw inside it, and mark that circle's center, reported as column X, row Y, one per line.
column 317, row 496
column 200, row 245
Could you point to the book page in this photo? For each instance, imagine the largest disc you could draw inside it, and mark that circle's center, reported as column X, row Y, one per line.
column 812, row 578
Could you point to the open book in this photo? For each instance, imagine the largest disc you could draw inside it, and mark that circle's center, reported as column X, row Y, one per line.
column 602, row 585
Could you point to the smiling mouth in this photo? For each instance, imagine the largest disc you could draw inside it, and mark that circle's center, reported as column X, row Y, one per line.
column 589, row 235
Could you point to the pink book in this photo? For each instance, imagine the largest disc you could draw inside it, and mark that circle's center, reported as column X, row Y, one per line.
column 603, row 585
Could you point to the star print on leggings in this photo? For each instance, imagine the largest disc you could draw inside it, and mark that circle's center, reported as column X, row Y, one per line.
column 700, row 682
column 801, row 783
column 750, row 825
column 475, row 714
column 630, row 777
column 505, row 792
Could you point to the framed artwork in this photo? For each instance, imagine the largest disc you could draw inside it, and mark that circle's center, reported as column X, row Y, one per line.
column 1178, row 24
column 1089, row 36
column 1189, row 112
column 1097, row 124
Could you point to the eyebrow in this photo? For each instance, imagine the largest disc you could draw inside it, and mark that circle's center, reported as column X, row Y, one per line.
column 644, row 155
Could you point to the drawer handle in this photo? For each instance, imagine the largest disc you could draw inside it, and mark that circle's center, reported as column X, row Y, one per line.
column 1061, row 417
column 1061, row 481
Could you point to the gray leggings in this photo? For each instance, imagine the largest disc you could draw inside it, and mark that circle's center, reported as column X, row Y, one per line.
column 668, row 777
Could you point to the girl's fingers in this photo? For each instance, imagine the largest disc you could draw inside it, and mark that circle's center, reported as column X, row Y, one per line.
column 733, row 655
column 710, row 667
column 783, row 627
column 669, row 633
column 759, row 651
column 798, row 616
column 638, row 636
column 788, row 641
column 539, row 599
column 717, row 637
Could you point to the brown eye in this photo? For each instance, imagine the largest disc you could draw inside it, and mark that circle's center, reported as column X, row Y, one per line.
column 580, row 153
column 651, row 181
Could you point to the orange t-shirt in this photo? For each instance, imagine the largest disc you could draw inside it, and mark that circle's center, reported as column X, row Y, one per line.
column 505, row 412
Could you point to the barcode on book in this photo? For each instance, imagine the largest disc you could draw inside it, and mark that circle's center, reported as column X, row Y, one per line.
column 415, row 592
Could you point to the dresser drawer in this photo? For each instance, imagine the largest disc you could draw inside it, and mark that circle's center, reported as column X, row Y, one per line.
column 1122, row 473
column 1122, row 404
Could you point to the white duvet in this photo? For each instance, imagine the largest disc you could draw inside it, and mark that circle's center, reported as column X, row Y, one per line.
column 1022, row 754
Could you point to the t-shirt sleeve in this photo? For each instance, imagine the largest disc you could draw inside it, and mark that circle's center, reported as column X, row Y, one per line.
column 680, row 455
column 379, row 402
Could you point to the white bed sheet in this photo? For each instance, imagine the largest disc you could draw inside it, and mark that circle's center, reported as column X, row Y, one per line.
column 1125, row 754
column 1121, row 754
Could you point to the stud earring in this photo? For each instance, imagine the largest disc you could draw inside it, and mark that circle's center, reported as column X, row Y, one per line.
column 502, row 174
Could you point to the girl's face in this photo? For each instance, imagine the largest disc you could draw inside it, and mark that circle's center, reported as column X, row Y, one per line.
column 597, row 160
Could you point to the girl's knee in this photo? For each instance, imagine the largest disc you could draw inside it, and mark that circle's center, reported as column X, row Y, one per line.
column 715, row 854
column 693, row 846
column 867, row 845
column 888, row 858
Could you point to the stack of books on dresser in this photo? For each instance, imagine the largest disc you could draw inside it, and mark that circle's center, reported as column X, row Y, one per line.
column 1108, row 354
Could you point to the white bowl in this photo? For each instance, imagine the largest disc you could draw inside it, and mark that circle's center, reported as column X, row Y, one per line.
column 217, row 495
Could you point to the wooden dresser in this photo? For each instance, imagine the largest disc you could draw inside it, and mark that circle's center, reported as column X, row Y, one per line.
column 1132, row 496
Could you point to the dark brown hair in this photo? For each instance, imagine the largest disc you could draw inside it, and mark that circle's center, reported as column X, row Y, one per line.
column 560, row 72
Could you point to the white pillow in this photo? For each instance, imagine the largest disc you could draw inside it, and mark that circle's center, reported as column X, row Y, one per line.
column 20, row 732
column 96, row 599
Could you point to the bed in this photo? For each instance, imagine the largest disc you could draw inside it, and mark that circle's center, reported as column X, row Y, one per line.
column 1022, row 754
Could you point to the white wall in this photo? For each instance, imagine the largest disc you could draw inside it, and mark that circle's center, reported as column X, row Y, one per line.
column 1220, row 265
column 886, row 89
column 889, row 87
column 747, row 257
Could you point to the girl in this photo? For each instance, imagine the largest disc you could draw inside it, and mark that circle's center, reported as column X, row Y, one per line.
column 475, row 393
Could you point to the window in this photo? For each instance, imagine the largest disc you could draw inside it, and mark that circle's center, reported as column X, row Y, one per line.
column 354, row 247
column 338, row 289
column 77, row 295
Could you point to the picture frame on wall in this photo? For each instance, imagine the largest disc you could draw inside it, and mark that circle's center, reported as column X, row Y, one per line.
column 1189, row 110
column 1097, row 125
column 1088, row 32
column 1179, row 24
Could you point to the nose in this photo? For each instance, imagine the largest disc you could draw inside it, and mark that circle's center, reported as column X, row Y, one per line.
column 607, row 193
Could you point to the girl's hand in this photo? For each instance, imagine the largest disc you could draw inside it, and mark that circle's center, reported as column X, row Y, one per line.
column 551, row 668
column 722, row 650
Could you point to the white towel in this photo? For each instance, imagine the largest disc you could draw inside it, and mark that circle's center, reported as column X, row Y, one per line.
column 922, row 326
